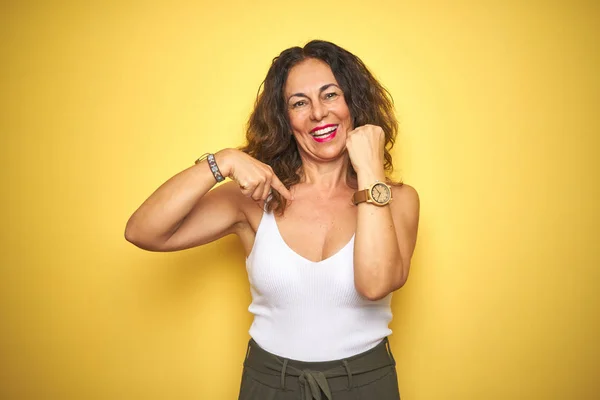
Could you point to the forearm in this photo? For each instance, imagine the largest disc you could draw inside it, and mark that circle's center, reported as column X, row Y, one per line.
column 378, row 267
column 162, row 213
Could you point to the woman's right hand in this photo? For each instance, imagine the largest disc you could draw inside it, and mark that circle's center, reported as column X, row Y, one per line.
column 255, row 179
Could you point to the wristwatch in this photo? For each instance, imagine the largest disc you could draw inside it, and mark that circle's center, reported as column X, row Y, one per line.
column 378, row 193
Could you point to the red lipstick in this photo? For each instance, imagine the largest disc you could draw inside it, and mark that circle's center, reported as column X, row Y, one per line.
column 324, row 133
column 322, row 127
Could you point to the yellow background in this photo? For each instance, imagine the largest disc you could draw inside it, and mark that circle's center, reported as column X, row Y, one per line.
column 103, row 101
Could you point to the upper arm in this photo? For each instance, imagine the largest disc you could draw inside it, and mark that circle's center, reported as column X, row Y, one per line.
column 405, row 214
column 215, row 215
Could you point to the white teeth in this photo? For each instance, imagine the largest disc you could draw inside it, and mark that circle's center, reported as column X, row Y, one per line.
column 324, row 131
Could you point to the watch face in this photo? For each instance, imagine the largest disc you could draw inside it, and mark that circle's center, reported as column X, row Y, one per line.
column 381, row 193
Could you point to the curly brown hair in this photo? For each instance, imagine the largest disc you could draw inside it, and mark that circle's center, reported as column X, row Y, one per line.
column 269, row 133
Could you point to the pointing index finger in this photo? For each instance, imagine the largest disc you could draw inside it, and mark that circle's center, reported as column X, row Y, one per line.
column 280, row 187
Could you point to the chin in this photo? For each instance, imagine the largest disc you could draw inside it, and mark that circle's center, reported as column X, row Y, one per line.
column 330, row 153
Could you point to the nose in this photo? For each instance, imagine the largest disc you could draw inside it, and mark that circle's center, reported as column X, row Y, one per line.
column 319, row 111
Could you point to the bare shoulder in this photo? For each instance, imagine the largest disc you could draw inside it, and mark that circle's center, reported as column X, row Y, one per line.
column 230, row 189
column 406, row 200
column 250, row 210
column 230, row 192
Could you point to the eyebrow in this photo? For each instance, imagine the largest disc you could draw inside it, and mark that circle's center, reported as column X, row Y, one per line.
column 321, row 90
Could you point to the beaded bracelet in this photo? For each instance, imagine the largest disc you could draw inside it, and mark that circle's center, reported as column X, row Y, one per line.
column 212, row 163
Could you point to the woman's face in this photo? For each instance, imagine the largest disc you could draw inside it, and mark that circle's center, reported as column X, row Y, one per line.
column 318, row 112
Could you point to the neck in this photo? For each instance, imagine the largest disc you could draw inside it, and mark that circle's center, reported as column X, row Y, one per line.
column 325, row 175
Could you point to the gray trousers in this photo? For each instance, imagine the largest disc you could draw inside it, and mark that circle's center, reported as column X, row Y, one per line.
column 369, row 375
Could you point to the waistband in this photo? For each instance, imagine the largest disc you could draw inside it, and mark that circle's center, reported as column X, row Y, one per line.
column 316, row 378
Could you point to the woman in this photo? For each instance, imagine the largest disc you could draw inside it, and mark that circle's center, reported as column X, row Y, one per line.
column 309, row 200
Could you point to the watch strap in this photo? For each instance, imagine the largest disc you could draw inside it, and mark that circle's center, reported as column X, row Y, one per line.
column 360, row 196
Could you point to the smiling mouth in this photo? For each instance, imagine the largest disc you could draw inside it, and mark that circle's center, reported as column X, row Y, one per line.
column 324, row 133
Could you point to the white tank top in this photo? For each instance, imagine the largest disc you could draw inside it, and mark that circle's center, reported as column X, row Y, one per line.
column 306, row 310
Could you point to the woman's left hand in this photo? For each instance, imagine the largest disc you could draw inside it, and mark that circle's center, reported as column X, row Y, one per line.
column 365, row 146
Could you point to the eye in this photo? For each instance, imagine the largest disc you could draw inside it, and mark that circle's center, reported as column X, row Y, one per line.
column 331, row 95
column 299, row 104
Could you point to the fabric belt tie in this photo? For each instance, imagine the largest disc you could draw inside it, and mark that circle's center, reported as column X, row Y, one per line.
column 313, row 382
